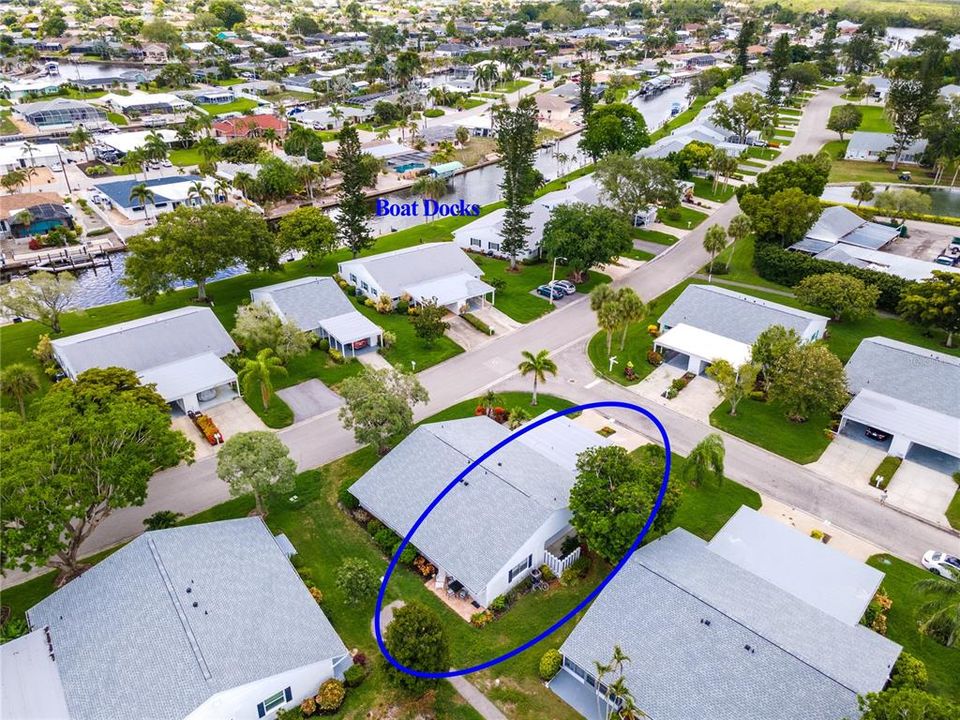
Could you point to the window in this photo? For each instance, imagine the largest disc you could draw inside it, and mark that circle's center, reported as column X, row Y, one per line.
column 275, row 700
column 474, row 242
column 519, row 569
column 364, row 286
column 374, row 291
column 353, row 278
column 494, row 246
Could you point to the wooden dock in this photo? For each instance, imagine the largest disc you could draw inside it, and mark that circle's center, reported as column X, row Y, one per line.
column 68, row 259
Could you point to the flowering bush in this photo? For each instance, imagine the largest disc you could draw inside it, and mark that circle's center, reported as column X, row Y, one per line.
column 484, row 617
column 653, row 330
column 480, row 410
column 500, row 414
column 335, row 355
column 550, row 664
column 308, row 707
column 654, row 358
column 384, row 304
column 330, row 696
column 424, row 566
column 316, row 594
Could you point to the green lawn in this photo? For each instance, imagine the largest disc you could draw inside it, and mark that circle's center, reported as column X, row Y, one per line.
column 518, row 299
column 836, row 149
column 183, row 157
column 953, row 511
column 638, row 342
column 766, row 425
column 655, row 236
column 682, row 218
column 851, row 171
column 874, row 119
column 228, row 82
column 512, row 86
column 943, row 663
column 7, row 126
column 739, row 257
column 790, row 112
column 762, row 153
column 781, row 132
column 324, row 537
column 239, row 105
column 703, row 188
column 753, row 163
column 117, row 119
column 635, row 254
column 471, row 103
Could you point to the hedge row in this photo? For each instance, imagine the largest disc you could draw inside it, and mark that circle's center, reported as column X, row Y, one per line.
column 789, row 268
column 477, row 323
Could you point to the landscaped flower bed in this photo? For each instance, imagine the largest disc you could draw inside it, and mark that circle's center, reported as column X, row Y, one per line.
column 207, row 427
column 677, row 385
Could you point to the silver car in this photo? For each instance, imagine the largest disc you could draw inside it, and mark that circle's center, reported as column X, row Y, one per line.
column 942, row 564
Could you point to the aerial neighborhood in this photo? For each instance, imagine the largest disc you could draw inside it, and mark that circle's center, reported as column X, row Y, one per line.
column 479, row 361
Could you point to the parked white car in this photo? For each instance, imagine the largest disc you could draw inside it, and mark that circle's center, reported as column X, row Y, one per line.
column 942, row 564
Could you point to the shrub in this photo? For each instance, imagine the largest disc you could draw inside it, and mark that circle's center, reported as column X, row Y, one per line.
column 360, row 659
column 671, row 393
column 408, row 556
column 758, row 395
column 569, row 545
column 357, row 580
column 498, row 604
column 481, row 619
column 386, row 539
column 568, row 577
column 369, row 303
column 389, row 338
column 875, row 616
column 374, row 526
column 384, row 304
column 433, row 113
column 581, row 566
column 424, row 566
column 653, row 330
column 547, row 573
column 323, row 345
column 550, row 663
column 909, row 672
column 789, row 268
column 330, row 696
column 316, row 594
column 335, row 355
column 348, row 501
column 308, row 707
column 402, row 307
column 478, row 323
column 100, row 231
column 886, row 469
column 654, row 358
column 354, row 676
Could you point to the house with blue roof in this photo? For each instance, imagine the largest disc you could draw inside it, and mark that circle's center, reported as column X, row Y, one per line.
column 169, row 193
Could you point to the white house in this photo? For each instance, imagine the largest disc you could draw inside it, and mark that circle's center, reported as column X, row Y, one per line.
column 507, row 516
column 729, row 629
column 909, row 392
column 24, row 154
column 439, row 272
column 169, row 193
column 180, row 352
column 123, row 142
column 873, row 146
column 707, row 323
column 328, row 118
column 140, row 103
column 202, row 622
column 318, row 305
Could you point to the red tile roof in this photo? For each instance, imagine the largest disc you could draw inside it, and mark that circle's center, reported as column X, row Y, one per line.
column 249, row 124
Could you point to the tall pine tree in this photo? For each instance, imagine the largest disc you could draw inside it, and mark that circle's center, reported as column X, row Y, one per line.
column 779, row 62
column 516, row 144
column 352, row 228
column 744, row 38
column 586, row 89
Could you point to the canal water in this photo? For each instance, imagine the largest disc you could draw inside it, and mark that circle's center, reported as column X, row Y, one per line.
column 480, row 186
column 944, row 201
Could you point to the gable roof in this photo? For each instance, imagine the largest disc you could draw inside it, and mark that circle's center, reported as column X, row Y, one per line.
column 806, row 568
column 317, row 302
column 840, row 224
column 395, row 271
column 119, row 191
column 179, row 615
column 731, row 314
column 710, row 639
column 482, row 522
column 146, row 343
column 921, row 377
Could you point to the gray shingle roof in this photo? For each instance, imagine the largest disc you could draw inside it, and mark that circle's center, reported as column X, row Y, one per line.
column 127, row 635
column 146, row 343
column 840, row 224
column 306, row 302
column 802, row 663
column 395, row 271
column 916, row 375
column 731, row 314
column 477, row 527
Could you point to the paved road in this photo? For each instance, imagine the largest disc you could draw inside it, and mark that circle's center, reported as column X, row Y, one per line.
column 565, row 333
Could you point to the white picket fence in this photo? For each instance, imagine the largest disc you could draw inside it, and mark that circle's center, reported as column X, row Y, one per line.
column 556, row 565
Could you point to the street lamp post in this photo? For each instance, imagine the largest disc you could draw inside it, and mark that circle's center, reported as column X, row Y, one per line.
column 553, row 278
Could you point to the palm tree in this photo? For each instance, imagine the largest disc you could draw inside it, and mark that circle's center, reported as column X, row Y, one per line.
column 220, row 189
column 942, row 611
column 18, row 381
column 714, row 243
column 199, row 191
column 81, row 138
column 204, row 122
column 244, row 182
column 863, row 192
column 14, row 180
column 600, row 295
column 155, row 147
column 538, row 365
column 133, row 163
column 632, row 310
column 262, row 369
column 307, row 175
column 739, row 227
column 271, row 137
column 705, row 461
column 142, row 195
column 208, row 149
column 717, row 164
column 430, row 187
column 487, row 76
column 601, row 671
column 489, row 401
column 610, row 319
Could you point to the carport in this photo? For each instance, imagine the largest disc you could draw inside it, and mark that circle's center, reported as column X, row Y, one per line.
column 932, row 433
column 700, row 347
column 194, row 383
column 351, row 332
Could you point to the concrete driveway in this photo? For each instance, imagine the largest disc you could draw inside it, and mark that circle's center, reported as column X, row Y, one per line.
column 849, row 462
column 231, row 417
column 696, row 401
column 922, row 491
column 309, row 399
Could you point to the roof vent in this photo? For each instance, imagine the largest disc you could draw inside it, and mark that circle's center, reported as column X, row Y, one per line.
column 189, row 590
column 195, row 603
column 749, row 649
column 704, row 621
